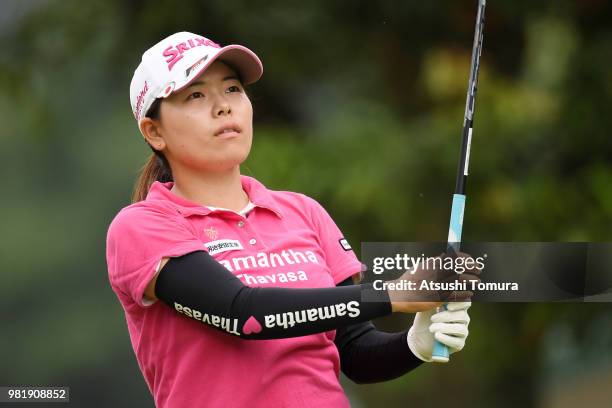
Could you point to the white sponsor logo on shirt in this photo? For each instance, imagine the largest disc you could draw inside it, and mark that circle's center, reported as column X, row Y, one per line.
column 222, row 245
column 269, row 260
column 280, row 277
column 211, row 232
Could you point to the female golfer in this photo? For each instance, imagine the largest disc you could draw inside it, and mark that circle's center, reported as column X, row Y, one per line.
column 236, row 295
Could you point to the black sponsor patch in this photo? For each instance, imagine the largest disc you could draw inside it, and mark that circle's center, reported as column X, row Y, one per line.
column 344, row 244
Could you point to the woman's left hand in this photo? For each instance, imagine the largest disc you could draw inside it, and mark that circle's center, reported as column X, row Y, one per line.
column 449, row 327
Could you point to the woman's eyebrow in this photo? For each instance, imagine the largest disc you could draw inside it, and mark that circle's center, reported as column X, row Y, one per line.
column 227, row 78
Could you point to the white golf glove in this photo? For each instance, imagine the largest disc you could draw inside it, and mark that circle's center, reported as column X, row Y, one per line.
column 449, row 327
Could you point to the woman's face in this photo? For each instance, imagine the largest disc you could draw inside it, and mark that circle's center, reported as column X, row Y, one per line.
column 207, row 126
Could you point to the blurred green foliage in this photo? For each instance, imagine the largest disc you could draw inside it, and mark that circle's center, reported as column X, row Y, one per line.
column 360, row 107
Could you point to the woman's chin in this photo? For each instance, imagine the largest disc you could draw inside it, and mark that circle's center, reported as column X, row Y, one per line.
column 222, row 166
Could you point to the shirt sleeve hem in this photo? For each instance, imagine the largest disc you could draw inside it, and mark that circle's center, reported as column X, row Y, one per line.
column 348, row 271
column 176, row 251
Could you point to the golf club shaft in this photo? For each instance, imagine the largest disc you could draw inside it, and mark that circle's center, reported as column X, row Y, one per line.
column 440, row 351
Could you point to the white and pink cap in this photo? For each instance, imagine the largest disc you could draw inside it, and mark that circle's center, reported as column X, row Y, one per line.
column 175, row 61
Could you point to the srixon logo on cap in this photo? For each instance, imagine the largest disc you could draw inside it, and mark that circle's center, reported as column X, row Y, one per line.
column 175, row 52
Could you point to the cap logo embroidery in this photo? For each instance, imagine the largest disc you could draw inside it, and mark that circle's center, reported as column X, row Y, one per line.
column 140, row 99
column 174, row 53
column 168, row 90
column 194, row 66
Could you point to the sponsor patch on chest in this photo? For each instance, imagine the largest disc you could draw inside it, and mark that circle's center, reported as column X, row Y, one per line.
column 222, row 245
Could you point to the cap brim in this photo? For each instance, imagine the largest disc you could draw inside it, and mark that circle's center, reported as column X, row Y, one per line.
column 240, row 58
column 244, row 61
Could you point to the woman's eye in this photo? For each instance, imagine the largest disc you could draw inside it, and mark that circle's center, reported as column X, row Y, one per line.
column 195, row 95
column 234, row 88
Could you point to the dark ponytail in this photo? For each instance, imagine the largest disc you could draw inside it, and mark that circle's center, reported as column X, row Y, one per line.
column 157, row 167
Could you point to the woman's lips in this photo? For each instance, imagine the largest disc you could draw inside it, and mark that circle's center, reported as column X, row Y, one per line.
column 227, row 134
column 229, row 130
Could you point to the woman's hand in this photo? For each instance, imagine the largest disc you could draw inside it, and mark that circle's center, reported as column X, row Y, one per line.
column 409, row 295
column 449, row 327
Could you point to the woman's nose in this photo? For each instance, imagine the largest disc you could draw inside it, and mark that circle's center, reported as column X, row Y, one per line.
column 222, row 108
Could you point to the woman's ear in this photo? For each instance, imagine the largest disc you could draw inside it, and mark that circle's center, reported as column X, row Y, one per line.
column 150, row 130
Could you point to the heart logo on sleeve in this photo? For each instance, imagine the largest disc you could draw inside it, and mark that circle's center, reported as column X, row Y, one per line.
column 251, row 326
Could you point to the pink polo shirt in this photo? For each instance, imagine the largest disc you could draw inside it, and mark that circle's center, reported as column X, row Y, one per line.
column 286, row 240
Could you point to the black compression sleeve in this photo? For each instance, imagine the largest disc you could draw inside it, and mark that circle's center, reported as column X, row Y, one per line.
column 368, row 355
column 201, row 288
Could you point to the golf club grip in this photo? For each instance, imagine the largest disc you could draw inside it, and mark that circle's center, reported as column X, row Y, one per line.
column 440, row 352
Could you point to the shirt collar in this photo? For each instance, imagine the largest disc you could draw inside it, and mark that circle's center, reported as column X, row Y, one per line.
column 259, row 195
